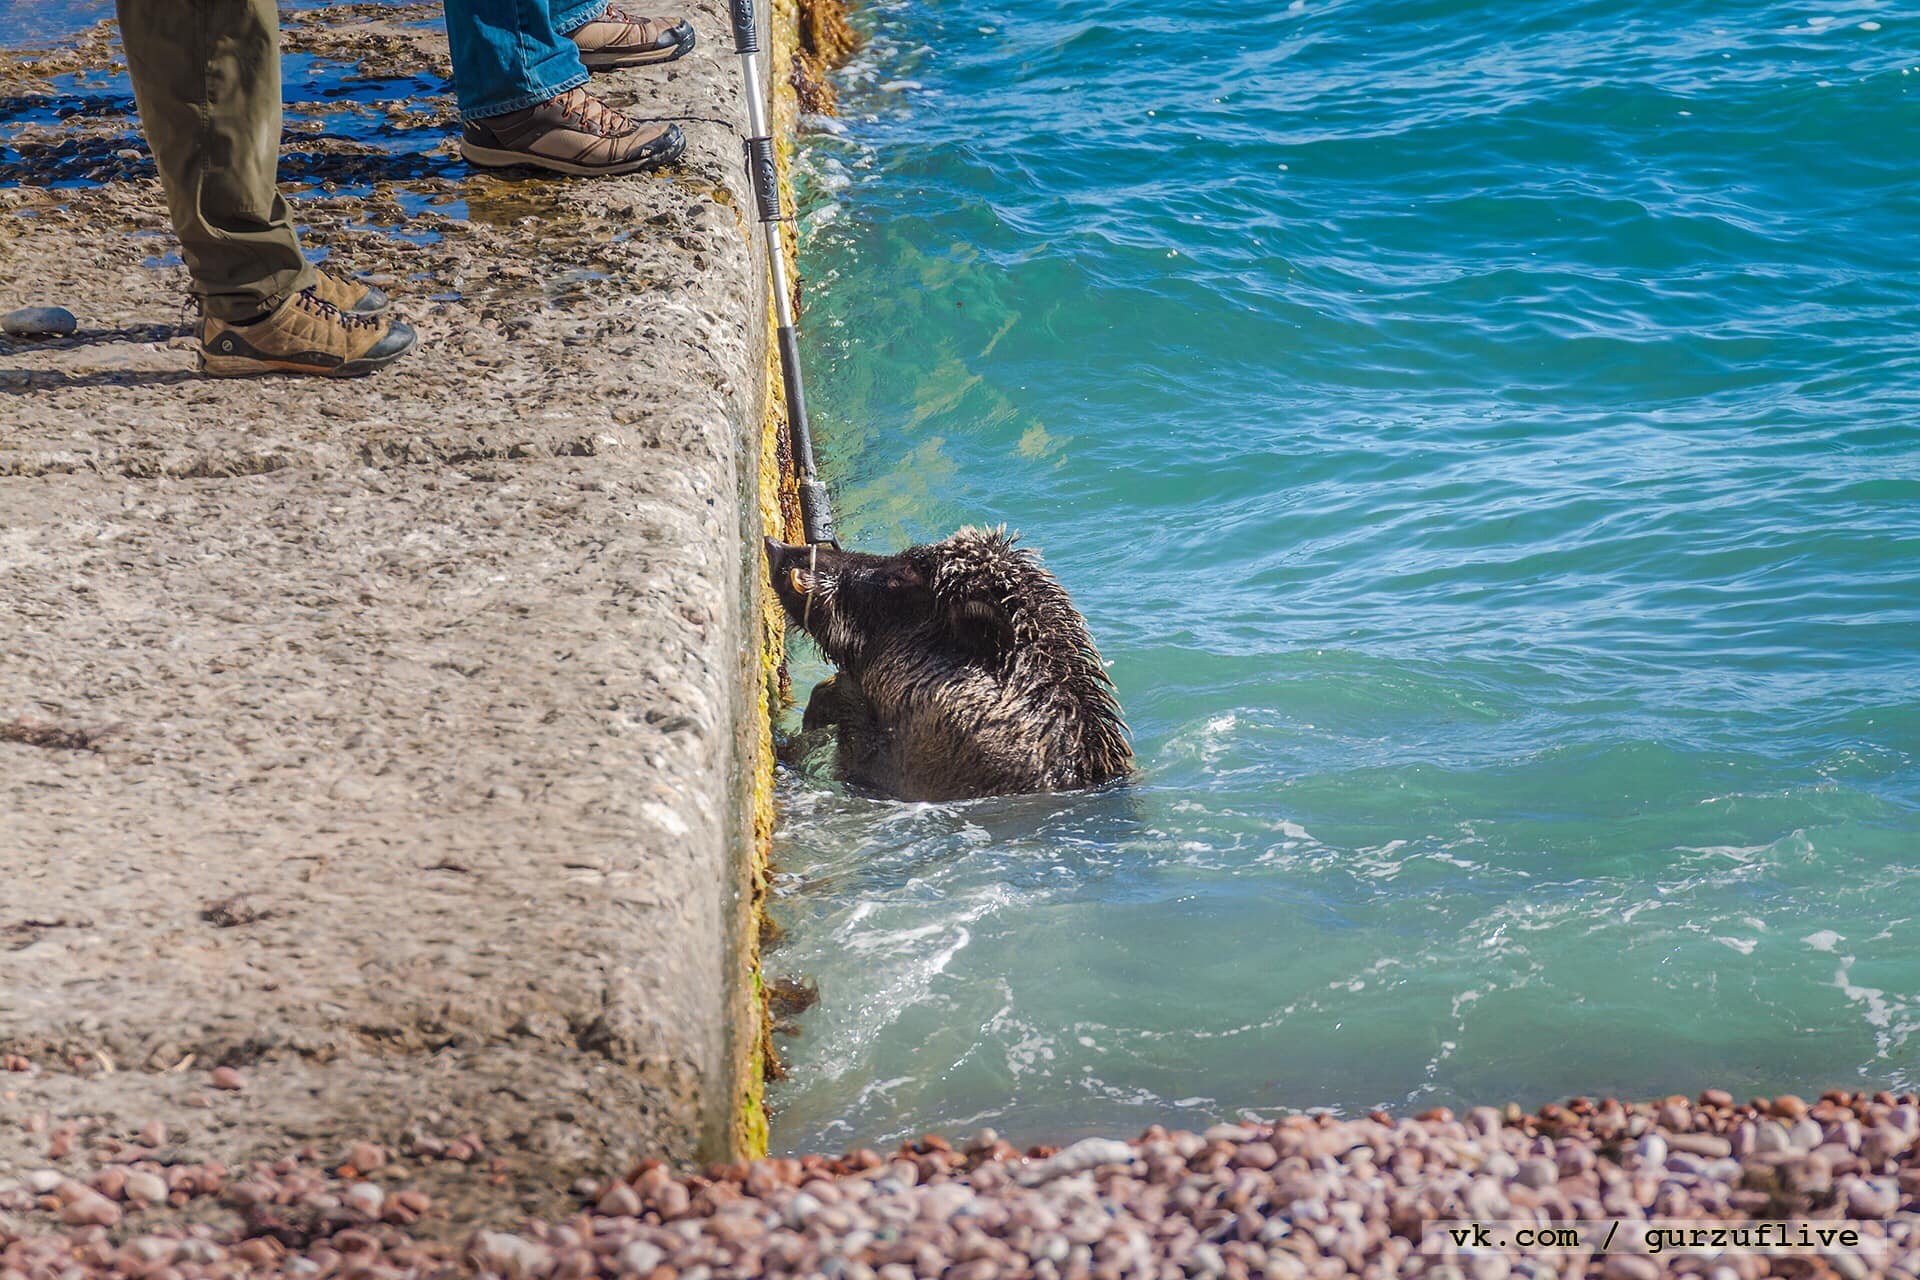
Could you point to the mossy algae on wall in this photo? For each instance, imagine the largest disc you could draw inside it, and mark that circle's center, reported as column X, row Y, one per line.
column 809, row 38
column 823, row 39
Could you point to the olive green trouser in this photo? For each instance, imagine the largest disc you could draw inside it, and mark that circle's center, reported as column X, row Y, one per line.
column 206, row 76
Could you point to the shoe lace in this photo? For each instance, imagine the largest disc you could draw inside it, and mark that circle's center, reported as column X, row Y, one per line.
column 308, row 300
column 594, row 115
column 187, row 327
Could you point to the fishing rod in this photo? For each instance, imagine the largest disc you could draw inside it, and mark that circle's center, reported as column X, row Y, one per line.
column 816, row 509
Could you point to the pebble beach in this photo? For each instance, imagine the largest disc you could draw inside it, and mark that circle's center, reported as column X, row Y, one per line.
column 1305, row 1196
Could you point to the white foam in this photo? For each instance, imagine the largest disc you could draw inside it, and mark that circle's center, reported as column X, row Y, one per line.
column 1733, row 852
column 1878, row 1013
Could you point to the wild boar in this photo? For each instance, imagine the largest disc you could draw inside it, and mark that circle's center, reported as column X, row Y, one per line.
column 964, row 669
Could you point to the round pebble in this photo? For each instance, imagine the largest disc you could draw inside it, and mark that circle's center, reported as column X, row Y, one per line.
column 364, row 1197
column 146, row 1187
column 39, row 322
column 620, row 1201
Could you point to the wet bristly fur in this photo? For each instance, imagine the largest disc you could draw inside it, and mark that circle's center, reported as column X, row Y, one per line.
column 964, row 669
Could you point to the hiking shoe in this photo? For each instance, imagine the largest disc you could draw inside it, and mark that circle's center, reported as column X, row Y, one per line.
column 305, row 334
column 618, row 39
column 574, row 133
column 362, row 299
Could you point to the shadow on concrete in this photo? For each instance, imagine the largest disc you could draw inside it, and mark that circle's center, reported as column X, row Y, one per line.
column 23, row 382
column 89, row 338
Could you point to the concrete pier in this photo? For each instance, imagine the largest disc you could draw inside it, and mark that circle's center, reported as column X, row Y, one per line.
column 398, row 746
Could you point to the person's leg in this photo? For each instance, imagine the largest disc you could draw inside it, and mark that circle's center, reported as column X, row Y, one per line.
column 206, row 77
column 508, row 55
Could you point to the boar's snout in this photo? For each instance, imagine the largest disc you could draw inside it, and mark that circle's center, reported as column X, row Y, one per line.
column 792, row 569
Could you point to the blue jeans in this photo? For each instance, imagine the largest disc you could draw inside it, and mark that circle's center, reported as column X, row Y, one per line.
column 509, row 54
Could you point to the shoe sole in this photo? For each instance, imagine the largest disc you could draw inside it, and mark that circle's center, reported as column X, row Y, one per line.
column 490, row 158
column 246, row 366
column 642, row 58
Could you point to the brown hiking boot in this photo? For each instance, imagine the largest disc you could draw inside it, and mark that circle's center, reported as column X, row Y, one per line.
column 573, row 133
column 305, row 334
column 363, row 299
column 618, row 39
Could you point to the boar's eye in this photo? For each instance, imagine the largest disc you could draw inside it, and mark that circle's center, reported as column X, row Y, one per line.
column 904, row 579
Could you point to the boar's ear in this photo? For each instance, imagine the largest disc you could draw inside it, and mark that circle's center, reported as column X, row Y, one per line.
column 982, row 627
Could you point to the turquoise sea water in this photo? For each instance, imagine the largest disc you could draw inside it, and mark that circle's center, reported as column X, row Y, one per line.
column 1486, row 443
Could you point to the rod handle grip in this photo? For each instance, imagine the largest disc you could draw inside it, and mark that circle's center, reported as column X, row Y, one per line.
column 764, row 177
column 746, row 33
